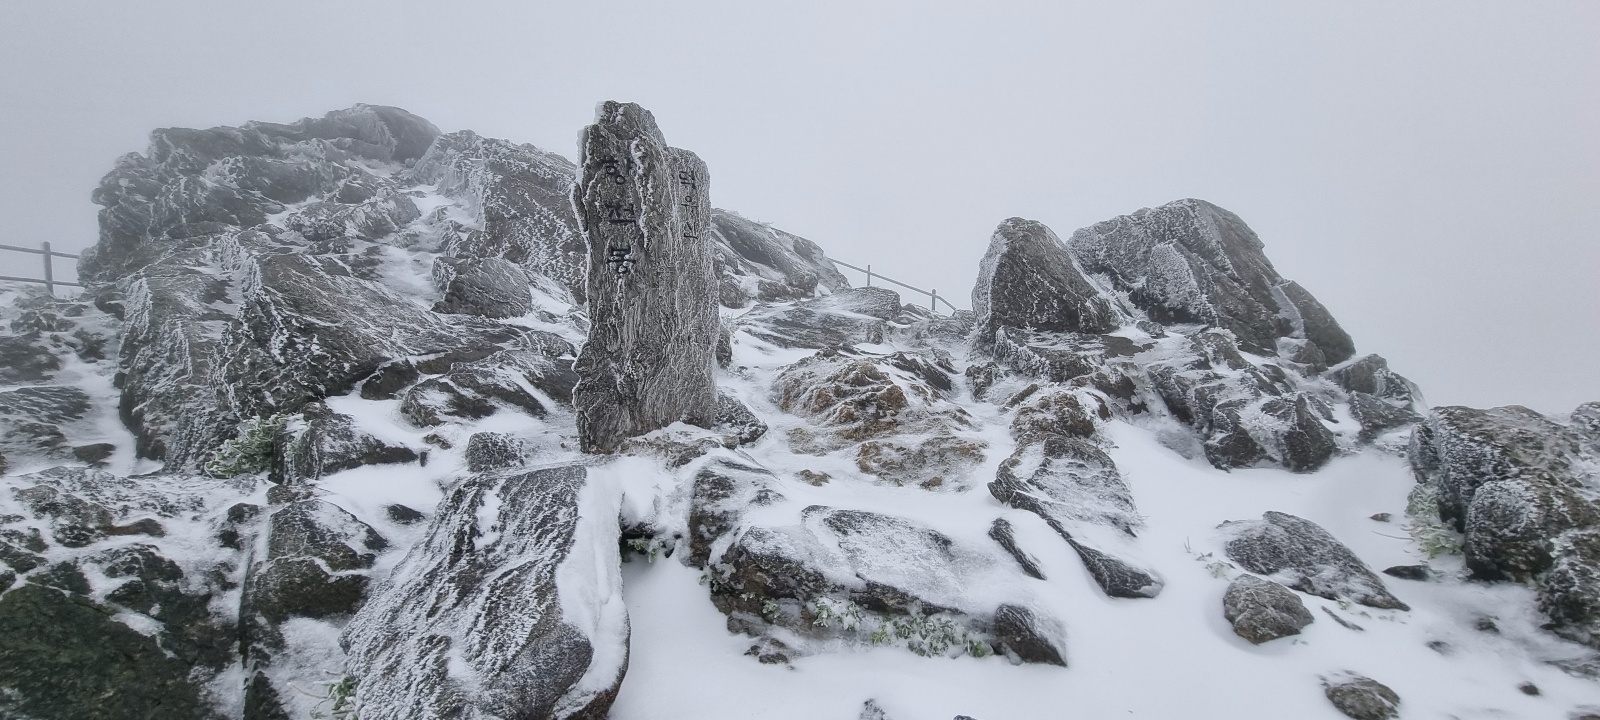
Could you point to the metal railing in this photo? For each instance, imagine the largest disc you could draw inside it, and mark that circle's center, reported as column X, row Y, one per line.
column 49, row 280
column 933, row 295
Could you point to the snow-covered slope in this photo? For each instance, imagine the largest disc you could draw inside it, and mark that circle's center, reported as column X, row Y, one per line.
column 307, row 448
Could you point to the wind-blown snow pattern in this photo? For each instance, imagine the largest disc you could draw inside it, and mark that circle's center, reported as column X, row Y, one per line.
column 307, row 447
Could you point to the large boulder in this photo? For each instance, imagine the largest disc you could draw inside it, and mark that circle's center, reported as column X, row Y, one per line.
column 1028, row 280
column 1460, row 449
column 491, row 287
column 510, row 606
column 1192, row 262
column 1518, row 486
column 644, row 210
column 1570, row 592
column 1307, row 558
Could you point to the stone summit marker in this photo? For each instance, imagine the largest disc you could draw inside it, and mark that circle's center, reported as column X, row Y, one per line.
column 645, row 210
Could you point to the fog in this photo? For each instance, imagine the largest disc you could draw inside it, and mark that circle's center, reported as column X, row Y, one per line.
column 1430, row 170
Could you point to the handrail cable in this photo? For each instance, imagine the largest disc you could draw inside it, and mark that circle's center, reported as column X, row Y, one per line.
column 933, row 295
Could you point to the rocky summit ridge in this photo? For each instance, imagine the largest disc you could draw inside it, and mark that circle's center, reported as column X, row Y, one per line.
column 356, row 418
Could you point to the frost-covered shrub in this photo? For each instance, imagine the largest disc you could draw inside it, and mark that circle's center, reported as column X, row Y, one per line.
column 1422, row 505
column 926, row 635
column 250, row 451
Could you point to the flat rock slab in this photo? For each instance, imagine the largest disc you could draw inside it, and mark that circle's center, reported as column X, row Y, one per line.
column 1307, row 558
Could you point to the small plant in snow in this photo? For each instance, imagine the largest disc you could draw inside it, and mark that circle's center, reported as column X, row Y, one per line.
column 649, row 547
column 1217, row 568
column 1432, row 536
column 250, row 451
column 828, row 611
column 340, row 697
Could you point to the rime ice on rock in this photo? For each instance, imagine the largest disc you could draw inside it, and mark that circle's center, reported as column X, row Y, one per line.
column 644, row 209
column 1192, row 262
column 1040, row 286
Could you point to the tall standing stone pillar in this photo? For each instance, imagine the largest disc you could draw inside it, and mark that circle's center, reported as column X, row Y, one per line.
column 644, row 209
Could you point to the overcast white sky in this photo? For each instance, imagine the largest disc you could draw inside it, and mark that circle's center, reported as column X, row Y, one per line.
column 1430, row 170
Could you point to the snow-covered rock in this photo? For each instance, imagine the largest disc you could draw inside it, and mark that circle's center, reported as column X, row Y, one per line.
column 1027, row 280
column 1523, row 490
column 1306, row 558
column 1262, row 610
column 757, row 262
column 1192, row 262
column 510, row 606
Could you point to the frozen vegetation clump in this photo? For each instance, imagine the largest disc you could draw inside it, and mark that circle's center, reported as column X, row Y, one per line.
column 250, row 451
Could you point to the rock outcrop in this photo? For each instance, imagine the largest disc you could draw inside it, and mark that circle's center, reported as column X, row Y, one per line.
column 373, row 331
column 1192, row 262
column 853, row 576
column 1520, row 488
column 644, row 210
column 1175, row 313
column 848, row 317
column 1075, row 487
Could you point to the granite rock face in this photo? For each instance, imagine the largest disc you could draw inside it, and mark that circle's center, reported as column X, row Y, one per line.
column 250, row 268
column 847, row 317
column 490, row 287
column 198, row 183
column 1028, row 280
column 1192, row 262
column 519, row 209
column 473, row 622
column 330, row 442
column 1261, row 610
column 1307, row 558
column 644, row 210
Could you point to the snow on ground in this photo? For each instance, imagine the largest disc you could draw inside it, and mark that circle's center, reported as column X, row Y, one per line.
column 1173, row 656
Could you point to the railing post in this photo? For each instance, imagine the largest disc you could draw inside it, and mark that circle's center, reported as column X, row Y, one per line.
column 49, row 279
column 869, row 274
column 933, row 301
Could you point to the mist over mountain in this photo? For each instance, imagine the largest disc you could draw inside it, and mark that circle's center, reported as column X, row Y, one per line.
column 356, row 418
